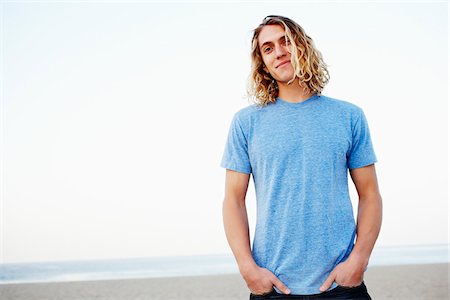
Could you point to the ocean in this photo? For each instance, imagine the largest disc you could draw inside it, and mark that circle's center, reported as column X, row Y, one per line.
column 152, row 267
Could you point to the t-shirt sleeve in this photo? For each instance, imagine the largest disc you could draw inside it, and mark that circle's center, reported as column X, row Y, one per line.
column 235, row 156
column 361, row 152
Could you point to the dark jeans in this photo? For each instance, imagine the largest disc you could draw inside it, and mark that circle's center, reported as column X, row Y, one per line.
column 339, row 292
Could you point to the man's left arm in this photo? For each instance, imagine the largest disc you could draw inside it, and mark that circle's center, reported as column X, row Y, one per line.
column 350, row 272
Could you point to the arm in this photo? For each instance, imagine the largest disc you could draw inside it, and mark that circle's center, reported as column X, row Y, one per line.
column 235, row 220
column 369, row 213
column 350, row 272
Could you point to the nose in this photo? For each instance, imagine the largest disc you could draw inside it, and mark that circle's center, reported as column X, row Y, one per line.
column 280, row 50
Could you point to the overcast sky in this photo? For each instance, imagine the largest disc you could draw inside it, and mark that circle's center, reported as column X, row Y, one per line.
column 115, row 115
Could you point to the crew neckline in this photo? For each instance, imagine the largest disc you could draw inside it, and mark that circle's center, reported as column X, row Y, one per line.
column 296, row 104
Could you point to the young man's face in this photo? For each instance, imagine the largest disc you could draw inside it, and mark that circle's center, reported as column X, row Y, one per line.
column 274, row 47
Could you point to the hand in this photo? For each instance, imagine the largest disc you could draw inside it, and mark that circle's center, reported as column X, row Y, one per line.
column 349, row 273
column 261, row 281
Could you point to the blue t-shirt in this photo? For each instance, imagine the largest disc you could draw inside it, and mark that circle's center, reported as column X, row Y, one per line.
column 299, row 155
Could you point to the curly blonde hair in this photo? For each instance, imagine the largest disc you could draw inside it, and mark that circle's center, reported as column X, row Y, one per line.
column 307, row 61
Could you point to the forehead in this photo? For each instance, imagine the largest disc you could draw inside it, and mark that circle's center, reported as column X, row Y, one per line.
column 270, row 33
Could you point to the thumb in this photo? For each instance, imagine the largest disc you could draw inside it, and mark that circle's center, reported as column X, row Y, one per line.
column 281, row 286
column 327, row 283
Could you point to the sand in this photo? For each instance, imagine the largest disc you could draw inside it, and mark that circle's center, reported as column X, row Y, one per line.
column 430, row 282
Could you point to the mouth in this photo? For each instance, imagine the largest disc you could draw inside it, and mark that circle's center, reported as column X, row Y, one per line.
column 283, row 63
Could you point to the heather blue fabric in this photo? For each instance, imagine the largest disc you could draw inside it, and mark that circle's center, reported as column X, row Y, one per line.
column 299, row 155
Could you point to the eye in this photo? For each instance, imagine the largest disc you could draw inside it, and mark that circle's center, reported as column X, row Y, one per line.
column 267, row 49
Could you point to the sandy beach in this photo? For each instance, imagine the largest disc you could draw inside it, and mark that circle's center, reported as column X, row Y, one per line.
column 383, row 282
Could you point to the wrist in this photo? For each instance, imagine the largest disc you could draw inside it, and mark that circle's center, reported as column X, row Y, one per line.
column 247, row 268
column 359, row 259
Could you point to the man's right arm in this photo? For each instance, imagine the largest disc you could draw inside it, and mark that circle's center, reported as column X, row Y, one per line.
column 235, row 219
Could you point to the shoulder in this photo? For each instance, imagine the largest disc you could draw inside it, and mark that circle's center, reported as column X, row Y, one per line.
column 342, row 108
column 339, row 104
column 244, row 115
column 250, row 110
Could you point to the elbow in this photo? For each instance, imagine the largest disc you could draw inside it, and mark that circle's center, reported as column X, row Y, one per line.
column 233, row 200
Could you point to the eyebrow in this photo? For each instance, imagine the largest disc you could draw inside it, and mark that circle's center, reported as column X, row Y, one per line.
column 270, row 42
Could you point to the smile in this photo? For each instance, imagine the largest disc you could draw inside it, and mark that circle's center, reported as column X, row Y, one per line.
column 283, row 63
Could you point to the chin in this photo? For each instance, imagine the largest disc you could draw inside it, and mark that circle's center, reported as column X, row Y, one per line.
column 285, row 80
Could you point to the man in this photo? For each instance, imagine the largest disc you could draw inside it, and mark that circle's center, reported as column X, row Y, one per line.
column 299, row 145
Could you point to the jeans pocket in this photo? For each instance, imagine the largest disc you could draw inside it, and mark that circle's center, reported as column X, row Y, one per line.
column 343, row 287
column 346, row 292
column 263, row 296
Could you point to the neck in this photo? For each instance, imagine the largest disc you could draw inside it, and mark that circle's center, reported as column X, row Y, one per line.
column 293, row 92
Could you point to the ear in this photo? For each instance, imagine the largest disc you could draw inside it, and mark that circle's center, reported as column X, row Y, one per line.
column 266, row 70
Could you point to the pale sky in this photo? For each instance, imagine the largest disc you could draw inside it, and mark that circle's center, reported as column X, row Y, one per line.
column 115, row 115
